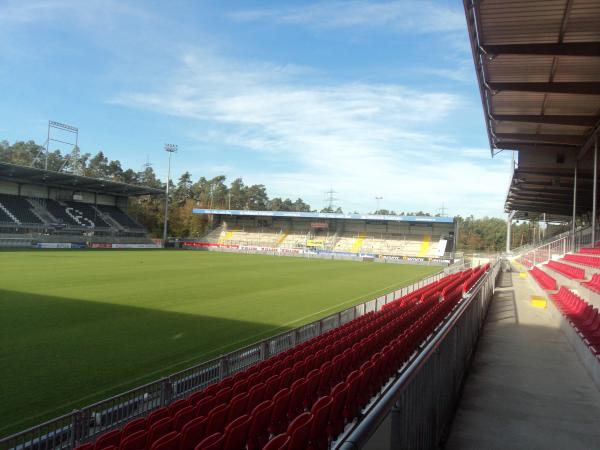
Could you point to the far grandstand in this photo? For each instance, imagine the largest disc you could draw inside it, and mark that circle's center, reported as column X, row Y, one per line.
column 410, row 238
column 50, row 209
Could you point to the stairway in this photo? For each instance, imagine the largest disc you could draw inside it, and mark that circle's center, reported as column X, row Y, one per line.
column 9, row 214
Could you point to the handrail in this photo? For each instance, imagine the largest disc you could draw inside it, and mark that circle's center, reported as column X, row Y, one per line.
column 360, row 434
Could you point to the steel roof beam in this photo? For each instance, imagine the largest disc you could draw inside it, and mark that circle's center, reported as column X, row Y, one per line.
column 550, row 49
column 562, row 139
column 579, row 87
column 530, row 146
column 583, row 121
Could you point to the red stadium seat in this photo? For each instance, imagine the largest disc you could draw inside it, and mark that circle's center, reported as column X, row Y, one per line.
column 217, row 419
column 279, row 442
column 205, row 406
column 259, row 425
column 157, row 415
column 135, row 425
column 297, row 394
column 196, row 397
column 134, row 441
column 318, row 431
column 271, row 386
column 312, row 385
column 107, row 439
column 159, row 429
column 223, row 396
column 324, row 378
column 178, row 405
column 192, row 433
column 285, row 378
column 298, row 370
column 336, row 414
column 237, row 406
column 213, row 442
column 281, row 401
column 169, row 441
column 183, row 416
column 299, row 431
column 236, row 433
column 239, row 387
column 255, row 395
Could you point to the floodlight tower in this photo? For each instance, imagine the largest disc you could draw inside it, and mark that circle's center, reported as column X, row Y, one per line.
column 170, row 148
column 378, row 200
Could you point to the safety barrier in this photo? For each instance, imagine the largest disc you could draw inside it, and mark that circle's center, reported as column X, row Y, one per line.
column 421, row 399
column 564, row 244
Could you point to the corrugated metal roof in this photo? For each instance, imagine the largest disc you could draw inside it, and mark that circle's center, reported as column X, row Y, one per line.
column 31, row 175
column 538, row 68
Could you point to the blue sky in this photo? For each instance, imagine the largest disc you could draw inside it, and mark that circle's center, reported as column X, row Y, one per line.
column 372, row 98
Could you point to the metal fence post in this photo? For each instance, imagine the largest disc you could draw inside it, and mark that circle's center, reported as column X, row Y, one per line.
column 264, row 350
column 166, row 391
column 74, row 427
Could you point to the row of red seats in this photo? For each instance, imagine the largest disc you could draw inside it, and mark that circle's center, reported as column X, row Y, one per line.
column 584, row 260
column 391, row 354
column 582, row 316
column 543, row 279
column 590, row 250
column 574, row 273
column 216, row 415
column 594, row 283
column 244, row 410
column 477, row 273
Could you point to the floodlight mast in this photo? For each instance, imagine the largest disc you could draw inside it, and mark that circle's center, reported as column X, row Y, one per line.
column 170, row 148
column 378, row 200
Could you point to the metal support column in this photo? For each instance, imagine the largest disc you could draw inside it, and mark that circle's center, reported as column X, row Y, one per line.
column 594, row 190
column 509, row 229
column 170, row 148
column 574, row 208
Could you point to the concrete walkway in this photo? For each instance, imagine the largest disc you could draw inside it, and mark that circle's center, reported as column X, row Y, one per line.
column 526, row 388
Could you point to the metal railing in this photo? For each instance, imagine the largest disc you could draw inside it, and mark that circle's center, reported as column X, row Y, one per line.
column 565, row 243
column 87, row 423
column 421, row 399
column 547, row 240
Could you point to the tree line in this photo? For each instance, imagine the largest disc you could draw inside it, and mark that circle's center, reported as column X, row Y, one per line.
column 184, row 193
column 487, row 234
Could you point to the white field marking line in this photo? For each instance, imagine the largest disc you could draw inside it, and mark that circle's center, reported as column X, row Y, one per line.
column 131, row 380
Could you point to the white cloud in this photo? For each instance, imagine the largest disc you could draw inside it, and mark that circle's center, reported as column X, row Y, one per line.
column 364, row 139
column 405, row 16
column 75, row 12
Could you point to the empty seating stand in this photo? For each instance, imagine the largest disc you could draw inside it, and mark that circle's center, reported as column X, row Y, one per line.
column 75, row 214
column 590, row 261
column 593, row 284
column 86, row 211
column 574, row 273
column 17, row 210
column 303, row 397
column 590, row 250
column 543, row 279
column 582, row 316
column 120, row 217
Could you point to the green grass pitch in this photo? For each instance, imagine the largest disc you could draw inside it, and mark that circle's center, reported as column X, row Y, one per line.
column 79, row 326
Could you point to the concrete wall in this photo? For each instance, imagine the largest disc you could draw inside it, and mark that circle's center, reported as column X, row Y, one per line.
column 102, row 199
column 6, row 187
column 29, row 190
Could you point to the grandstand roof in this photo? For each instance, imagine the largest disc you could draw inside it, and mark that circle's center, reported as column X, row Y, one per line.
column 538, row 68
column 316, row 215
column 30, row 175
